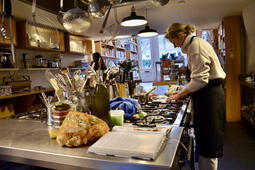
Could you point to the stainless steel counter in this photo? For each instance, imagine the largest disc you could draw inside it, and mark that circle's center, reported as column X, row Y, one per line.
column 28, row 142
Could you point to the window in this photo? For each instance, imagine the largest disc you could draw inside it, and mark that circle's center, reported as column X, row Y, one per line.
column 174, row 53
column 145, row 47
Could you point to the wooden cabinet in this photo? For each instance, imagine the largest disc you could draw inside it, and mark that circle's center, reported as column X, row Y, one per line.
column 39, row 37
column 7, row 28
column 77, row 45
column 233, row 41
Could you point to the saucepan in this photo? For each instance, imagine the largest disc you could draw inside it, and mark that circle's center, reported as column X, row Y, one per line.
column 143, row 98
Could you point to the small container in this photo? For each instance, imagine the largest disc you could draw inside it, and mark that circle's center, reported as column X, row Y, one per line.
column 38, row 61
column 49, row 116
column 117, row 117
column 44, row 63
column 53, row 131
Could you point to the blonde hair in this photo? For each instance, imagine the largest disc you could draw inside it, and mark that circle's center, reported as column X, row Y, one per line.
column 175, row 28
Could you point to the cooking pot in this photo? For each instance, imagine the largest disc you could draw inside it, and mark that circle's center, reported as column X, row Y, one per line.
column 143, row 98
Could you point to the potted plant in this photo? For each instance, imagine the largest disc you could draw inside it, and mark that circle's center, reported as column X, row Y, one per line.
column 165, row 60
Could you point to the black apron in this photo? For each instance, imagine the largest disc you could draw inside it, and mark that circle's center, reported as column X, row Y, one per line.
column 209, row 112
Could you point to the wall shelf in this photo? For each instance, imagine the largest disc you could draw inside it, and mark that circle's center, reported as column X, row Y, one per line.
column 25, row 94
column 244, row 83
column 38, row 69
column 77, row 68
column 247, row 117
column 9, row 69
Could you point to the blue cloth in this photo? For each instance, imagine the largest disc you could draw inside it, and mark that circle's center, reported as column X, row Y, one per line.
column 126, row 104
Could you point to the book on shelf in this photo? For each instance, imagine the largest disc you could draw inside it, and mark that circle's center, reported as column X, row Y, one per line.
column 137, row 143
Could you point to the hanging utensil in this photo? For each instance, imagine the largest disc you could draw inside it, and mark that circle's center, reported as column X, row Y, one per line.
column 60, row 13
column 76, row 20
column 98, row 8
column 3, row 31
column 34, row 21
column 105, row 20
column 8, row 9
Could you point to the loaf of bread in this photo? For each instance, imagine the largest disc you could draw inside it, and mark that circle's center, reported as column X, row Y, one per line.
column 80, row 128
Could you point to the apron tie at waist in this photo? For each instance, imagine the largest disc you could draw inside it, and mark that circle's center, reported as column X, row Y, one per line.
column 215, row 82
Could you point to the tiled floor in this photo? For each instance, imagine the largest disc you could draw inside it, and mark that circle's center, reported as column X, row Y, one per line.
column 239, row 147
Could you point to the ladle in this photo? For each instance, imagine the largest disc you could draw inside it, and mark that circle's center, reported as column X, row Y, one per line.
column 60, row 13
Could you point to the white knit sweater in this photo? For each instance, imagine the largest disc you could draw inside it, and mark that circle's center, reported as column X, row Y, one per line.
column 203, row 63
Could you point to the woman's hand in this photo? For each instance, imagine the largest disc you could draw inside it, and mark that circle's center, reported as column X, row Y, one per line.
column 179, row 96
column 175, row 96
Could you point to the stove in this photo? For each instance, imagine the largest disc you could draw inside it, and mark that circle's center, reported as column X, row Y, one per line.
column 158, row 113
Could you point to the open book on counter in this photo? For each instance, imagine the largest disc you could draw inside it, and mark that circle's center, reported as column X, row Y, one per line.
column 136, row 129
column 125, row 141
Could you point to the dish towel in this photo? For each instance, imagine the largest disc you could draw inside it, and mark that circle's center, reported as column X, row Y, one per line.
column 126, row 104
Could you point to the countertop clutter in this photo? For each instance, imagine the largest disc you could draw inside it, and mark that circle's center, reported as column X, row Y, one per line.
column 27, row 141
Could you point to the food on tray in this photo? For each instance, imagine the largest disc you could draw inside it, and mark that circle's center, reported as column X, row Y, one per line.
column 80, row 128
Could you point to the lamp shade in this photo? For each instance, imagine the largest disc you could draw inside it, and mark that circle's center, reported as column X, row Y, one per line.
column 147, row 32
column 133, row 20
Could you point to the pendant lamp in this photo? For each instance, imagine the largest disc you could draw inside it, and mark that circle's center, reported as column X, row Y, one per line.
column 133, row 20
column 147, row 32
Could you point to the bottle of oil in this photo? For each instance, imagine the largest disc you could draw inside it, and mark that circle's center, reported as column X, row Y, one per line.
column 101, row 102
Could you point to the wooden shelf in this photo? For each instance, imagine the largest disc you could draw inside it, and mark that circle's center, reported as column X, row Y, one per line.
column 244, row 83
column 247, row 117
column 9, row 69
column 133, row 51
column 40, row 49
column 77, row 68
column 120, row 48
column 25, row 93
column 39, row 69
column 110, row 57
column 108, row 45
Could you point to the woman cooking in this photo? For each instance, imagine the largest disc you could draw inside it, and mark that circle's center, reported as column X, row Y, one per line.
column 205, row 88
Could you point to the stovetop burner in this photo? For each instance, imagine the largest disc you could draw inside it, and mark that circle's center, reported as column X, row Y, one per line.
column 161, row 113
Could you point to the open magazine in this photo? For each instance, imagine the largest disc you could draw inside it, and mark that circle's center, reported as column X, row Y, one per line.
column 125, row 141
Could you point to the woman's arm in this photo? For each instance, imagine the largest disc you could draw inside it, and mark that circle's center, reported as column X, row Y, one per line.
column 181, row 95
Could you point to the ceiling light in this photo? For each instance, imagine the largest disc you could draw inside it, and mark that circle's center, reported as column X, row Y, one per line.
column 122, row 36
column 147, row 32
column 133, row 20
